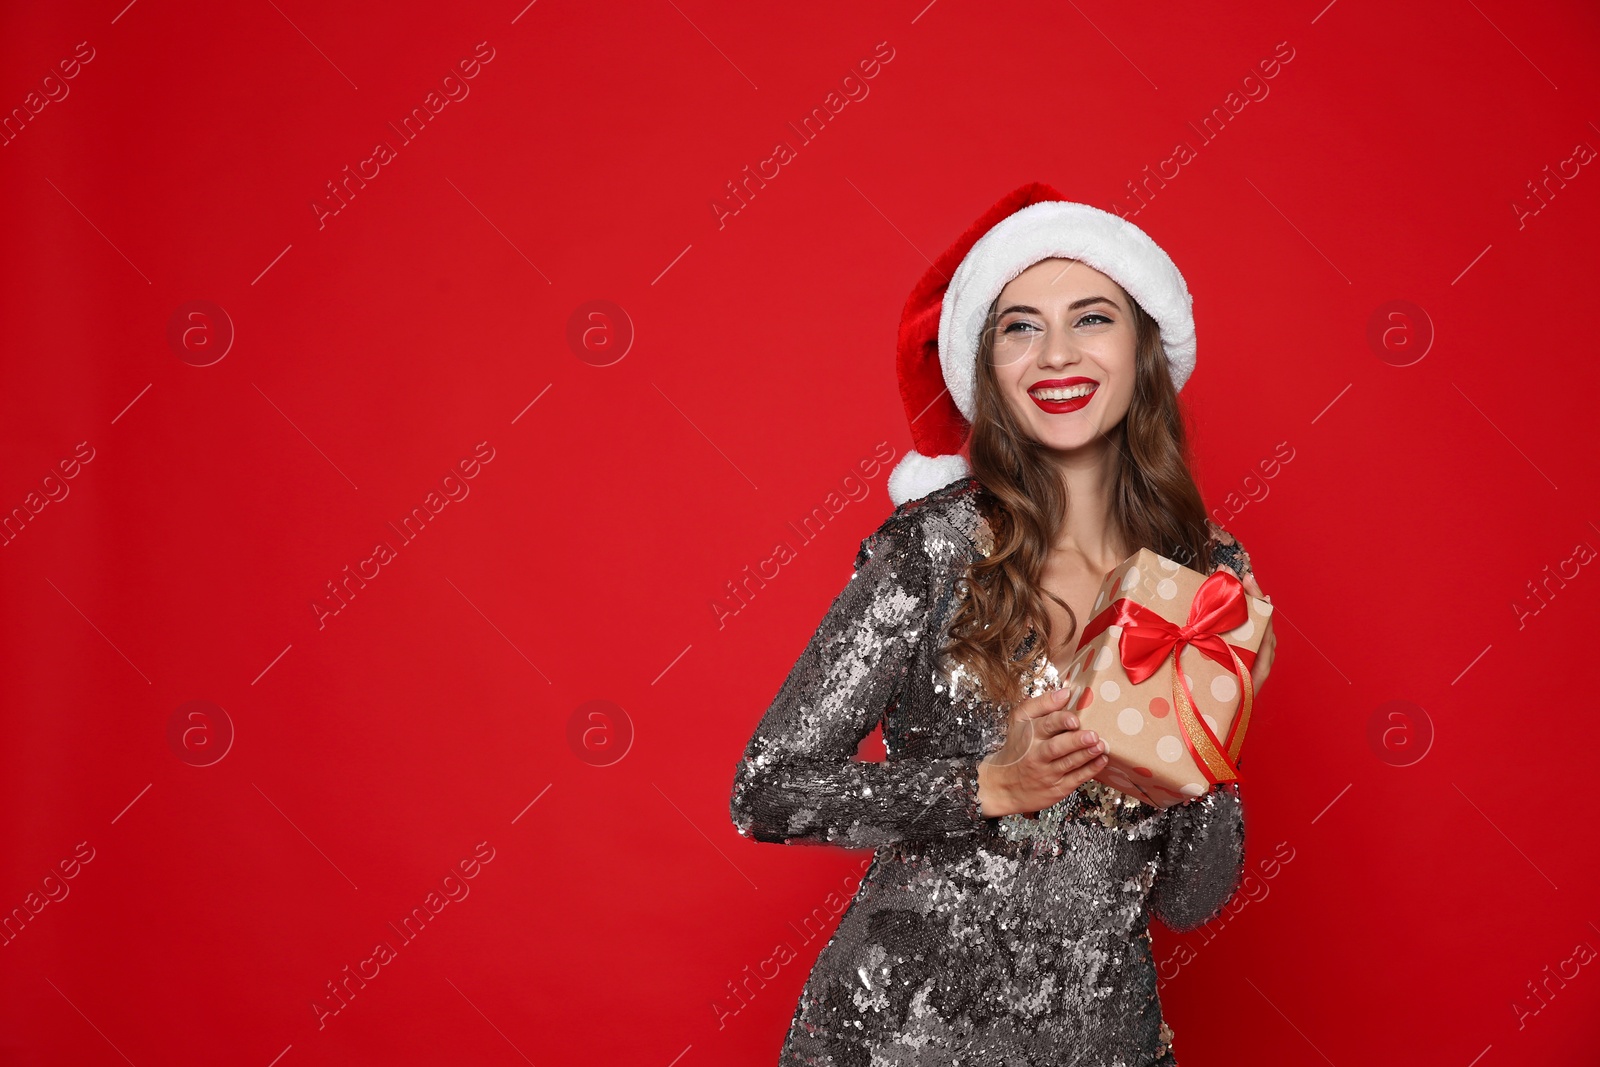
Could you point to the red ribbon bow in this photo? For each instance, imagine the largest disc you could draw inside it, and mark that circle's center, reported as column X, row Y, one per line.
column 1147, row 640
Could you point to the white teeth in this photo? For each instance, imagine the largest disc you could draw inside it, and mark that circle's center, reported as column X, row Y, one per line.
column 1062, row 394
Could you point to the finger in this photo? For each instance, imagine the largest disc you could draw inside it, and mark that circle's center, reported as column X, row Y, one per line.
column 1263, row 663
column 1069, row 781
column 1057, row 722
column 1043, row 704
column 1074, row 749
column 1073, row 779
column 1094, row 766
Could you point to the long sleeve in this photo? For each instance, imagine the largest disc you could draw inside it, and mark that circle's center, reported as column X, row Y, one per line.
column 798, row 781
column 1202, row 858
column 1226, row 551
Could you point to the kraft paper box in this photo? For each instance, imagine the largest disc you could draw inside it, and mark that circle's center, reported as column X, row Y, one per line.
column 1170, row 733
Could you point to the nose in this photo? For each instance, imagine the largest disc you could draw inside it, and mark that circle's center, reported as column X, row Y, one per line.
column 1058, row 349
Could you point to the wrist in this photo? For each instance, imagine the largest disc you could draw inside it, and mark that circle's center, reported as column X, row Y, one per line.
column 992, row 798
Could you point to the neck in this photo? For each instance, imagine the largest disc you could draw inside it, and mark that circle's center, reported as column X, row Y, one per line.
column 1088, row 475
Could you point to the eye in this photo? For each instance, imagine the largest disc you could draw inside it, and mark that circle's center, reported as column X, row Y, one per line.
column 1019, row 322
column 1093, row 315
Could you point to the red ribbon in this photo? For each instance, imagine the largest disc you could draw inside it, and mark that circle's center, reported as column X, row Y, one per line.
column 1148, row 639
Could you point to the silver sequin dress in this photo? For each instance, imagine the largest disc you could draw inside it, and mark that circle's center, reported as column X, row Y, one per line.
column 971, row 940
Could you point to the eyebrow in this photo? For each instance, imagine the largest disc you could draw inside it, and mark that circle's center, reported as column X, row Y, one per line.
column 1074, row 306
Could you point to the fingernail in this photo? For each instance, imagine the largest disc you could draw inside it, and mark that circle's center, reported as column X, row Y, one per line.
column 1089, row 736
column 1072, row 722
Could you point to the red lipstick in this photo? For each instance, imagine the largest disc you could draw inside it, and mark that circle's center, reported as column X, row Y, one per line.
column 1062, row 407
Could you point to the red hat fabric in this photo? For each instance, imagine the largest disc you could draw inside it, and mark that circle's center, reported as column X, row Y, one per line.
column 937, row 426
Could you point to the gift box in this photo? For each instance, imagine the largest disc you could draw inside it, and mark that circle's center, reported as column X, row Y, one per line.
column 1162, row 674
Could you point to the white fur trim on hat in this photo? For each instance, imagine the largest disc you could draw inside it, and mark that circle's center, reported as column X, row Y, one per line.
column 1056, row 228
column 917, row 475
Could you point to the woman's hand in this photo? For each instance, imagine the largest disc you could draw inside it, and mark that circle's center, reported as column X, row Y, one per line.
column 1269, row 640
column 1045, row 757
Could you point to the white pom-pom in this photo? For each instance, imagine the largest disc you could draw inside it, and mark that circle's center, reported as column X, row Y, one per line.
column 917, row 475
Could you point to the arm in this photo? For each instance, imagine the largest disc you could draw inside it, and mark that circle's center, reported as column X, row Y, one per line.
column 798, row 781
column 1227, row 552
column 1202, row 858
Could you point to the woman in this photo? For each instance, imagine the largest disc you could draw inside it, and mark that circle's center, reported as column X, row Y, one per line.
column 1004, row 917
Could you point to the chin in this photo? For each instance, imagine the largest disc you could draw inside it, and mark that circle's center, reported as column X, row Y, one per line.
column 1060, row 441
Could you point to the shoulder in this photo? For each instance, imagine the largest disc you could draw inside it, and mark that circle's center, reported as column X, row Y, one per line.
column 948, row 516
column 1226, row 551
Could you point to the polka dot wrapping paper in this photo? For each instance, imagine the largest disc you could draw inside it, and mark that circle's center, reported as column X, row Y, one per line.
column 1170, row 736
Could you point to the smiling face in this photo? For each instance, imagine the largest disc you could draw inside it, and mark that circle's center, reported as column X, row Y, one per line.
column 1063, row 352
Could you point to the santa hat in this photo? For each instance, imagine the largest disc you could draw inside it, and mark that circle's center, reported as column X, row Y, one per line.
column 936, row 357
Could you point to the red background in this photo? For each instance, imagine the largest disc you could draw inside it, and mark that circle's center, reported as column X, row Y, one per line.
column 443, row 705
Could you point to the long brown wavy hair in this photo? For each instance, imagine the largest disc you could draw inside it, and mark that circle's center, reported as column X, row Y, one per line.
column 1154, row 503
